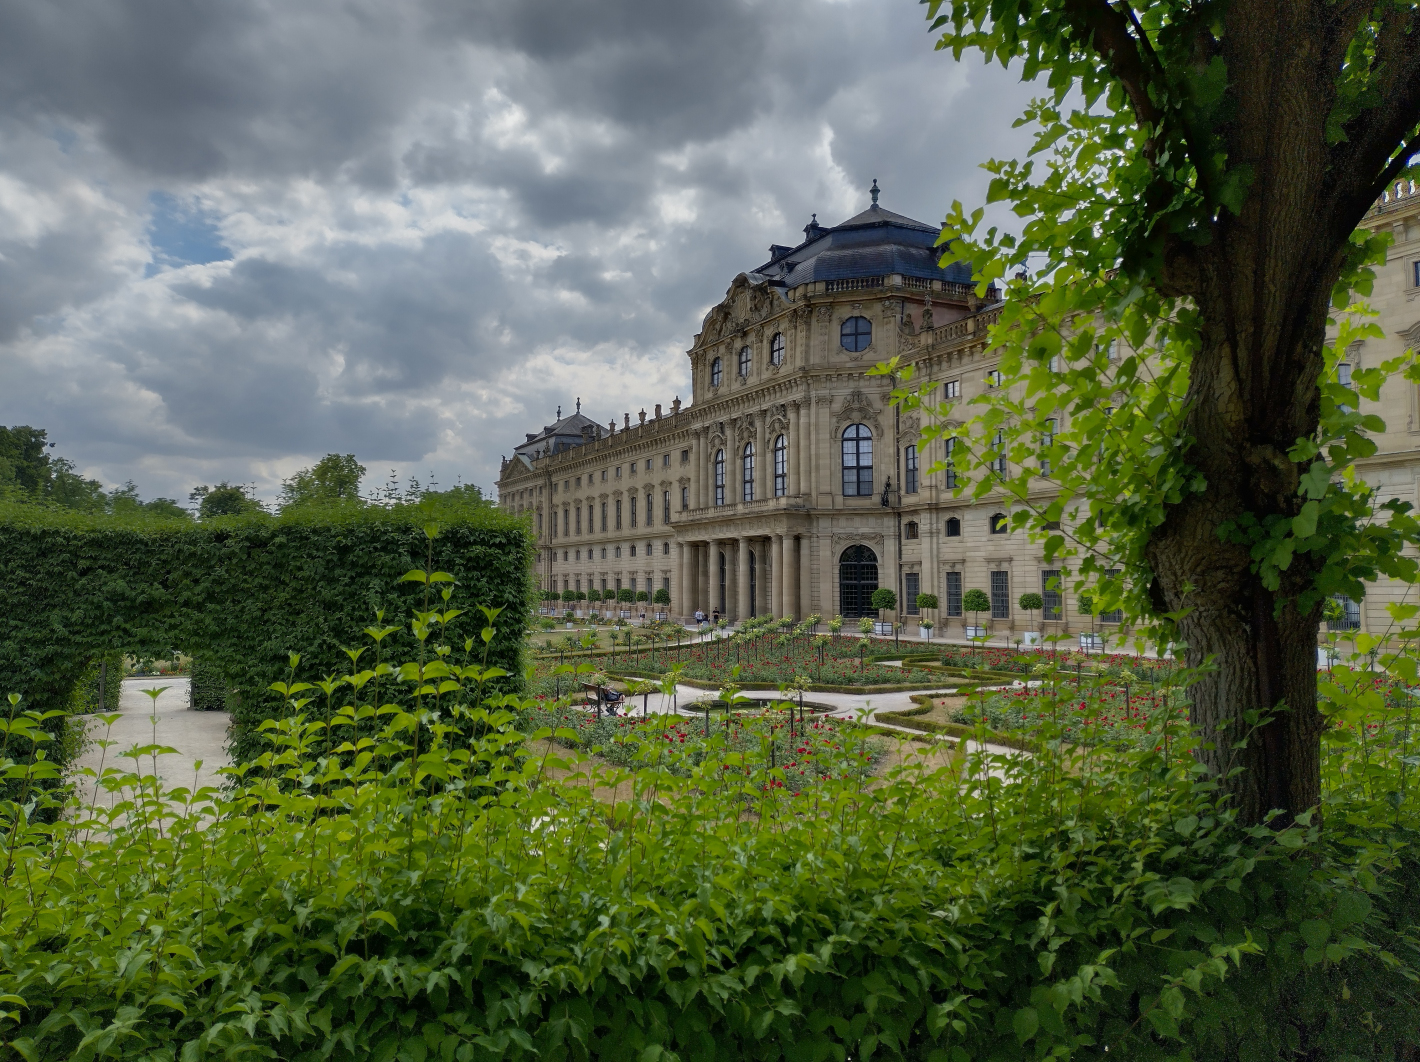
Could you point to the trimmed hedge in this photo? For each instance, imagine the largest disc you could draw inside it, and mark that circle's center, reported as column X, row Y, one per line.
column 244, row 592
column 209, row 689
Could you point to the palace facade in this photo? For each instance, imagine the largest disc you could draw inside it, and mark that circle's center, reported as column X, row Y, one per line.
column 790, row 486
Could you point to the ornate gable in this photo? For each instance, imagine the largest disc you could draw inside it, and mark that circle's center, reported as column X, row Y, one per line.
column 745, row 304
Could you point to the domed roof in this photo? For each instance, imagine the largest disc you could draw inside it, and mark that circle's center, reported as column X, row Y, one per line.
column 876, row 242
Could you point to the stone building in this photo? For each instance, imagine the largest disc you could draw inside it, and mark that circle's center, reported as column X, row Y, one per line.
column 790, row 486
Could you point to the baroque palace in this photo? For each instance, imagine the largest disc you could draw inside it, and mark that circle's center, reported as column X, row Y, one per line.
column 790, row 486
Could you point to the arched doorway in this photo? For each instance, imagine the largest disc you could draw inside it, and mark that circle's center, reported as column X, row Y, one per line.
column 857, row 579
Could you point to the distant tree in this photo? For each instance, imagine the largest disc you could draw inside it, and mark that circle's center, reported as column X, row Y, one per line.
column 225, row 499
column 625, row 596
column 1031, row 602
column 334, row 478
column 976, row 602
column 662, row 597
column 641, row 595
column 24, row 457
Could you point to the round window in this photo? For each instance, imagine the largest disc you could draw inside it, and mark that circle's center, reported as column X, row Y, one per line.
column 856, row 334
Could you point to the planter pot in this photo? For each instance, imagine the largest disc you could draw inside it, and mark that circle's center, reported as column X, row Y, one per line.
column 660, row 615
column 626, row 613
column 569, row 625
column 925, row 632
column 1092, row 642
column 1032, row 638
column 881, row 628
column 976, row 632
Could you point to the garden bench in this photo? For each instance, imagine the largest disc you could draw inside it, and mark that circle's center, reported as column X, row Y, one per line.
column 602, row 694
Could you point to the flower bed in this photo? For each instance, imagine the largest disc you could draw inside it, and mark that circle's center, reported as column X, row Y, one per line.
column 1095, row 715
column 802, row 755
column 1024, row 661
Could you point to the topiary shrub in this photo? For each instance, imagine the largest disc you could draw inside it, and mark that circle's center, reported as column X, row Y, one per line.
column 662, row 596
column 243, row 592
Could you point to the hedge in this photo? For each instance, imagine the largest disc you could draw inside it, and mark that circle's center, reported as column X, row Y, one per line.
column 209, row 688
column 244, row 592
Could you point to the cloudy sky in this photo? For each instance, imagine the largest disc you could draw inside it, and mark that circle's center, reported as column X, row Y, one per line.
column 237, row 236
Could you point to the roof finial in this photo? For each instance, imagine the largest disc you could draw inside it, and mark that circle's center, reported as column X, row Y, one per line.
column 579, row 404
column 874, row 191
column 559, row 412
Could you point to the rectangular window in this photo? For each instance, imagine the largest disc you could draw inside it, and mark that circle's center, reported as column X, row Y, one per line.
column 603, row 516
column 618, row 471
column 998, row 462
column 1000, row 595
column 633, row 510
column 618, row 514
column 666, row 583
column 665, row 507
column 633, row 551
column 910, row 464
column 684, row 498
column 648, row 464
column 995, row 378
column 566, row 521
column 633, row 584
column 1117, row 615
column 912, row 586
column 603, row 586
column 953, row 593
column 1047, row 440
column 950, row 457
column 1414, row 280
column 1050, row 593
column 665, row 460
column 539, row 523
column 579, row 519
column 650, row 508
column 1349, row 618
column 685, row 457
column 591, row 518
column 951, row 389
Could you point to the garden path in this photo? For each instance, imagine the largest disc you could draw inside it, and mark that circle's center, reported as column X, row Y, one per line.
column 196, row 736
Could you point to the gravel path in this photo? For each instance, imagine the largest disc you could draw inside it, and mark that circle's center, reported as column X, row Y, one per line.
column 196, row 736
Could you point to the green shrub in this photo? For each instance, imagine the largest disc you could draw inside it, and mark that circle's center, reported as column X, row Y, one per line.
column 883, row 598
column 100, row 686
column 435, row 896
column 209, row 689
column 927, row 601
column 243, row 592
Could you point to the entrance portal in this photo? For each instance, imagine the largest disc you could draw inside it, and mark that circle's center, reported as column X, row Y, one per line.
column 857, row 579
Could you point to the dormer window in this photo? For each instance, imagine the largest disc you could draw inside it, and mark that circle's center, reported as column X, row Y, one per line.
column 744, row 362
column 776, row 349
column 717, row 373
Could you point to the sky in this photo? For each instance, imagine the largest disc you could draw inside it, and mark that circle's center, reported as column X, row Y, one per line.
column 235, row 237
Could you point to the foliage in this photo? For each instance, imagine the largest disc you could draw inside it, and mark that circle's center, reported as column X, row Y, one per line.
column 335, row 478
column 29, row 474
column 1031, row 602
column 431, row 891
column 624, row 595
column 802, row 753
column 240, row 592
column 662, row 596
column 975, row 600
column 927, row 601
column 225, row 499
column 209, row 689
column 884, row 598
column 100, row 687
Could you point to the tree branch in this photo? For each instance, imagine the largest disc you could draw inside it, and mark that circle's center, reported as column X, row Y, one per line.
column 1108, row 33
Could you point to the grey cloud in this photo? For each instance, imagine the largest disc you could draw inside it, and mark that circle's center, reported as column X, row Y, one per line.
column 386, row 328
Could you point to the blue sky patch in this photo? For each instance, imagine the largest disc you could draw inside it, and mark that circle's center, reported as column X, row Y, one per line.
column 182, row 234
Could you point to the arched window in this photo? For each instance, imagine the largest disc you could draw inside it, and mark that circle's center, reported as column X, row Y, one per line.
column 776, row 349
column 953, row 527
column 857, row 461
column 748, row 470
column 856, row 334
column 717, row 372
column 857, row 579
column 744, row 361
column 909, row 529
column 719, row 477
column 781, row 467
column 999, row 523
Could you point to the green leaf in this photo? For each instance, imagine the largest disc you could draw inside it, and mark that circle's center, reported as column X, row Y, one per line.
column 1025, row 1023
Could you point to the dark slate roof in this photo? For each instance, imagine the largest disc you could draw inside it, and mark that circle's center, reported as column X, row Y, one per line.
column 874, row 243
column 563, row 435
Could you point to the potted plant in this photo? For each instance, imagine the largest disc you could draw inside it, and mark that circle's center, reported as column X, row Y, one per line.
column 1091, row 640
column 976, row 602
column 661, row 597
column 884, row 600
column 835, row 625
column 1030, row 603
column 569, row 597
column 926, row 603
column 594, row 597
column 625, row 596
column 581, row 599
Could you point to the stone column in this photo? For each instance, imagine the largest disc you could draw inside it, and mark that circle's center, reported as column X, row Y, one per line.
column 763, row 464
column 806, row 578
column 697, row 470
column 742, row 545
column 680, row 588
column 780, row 601
column 796, row 445
column 702, row 577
